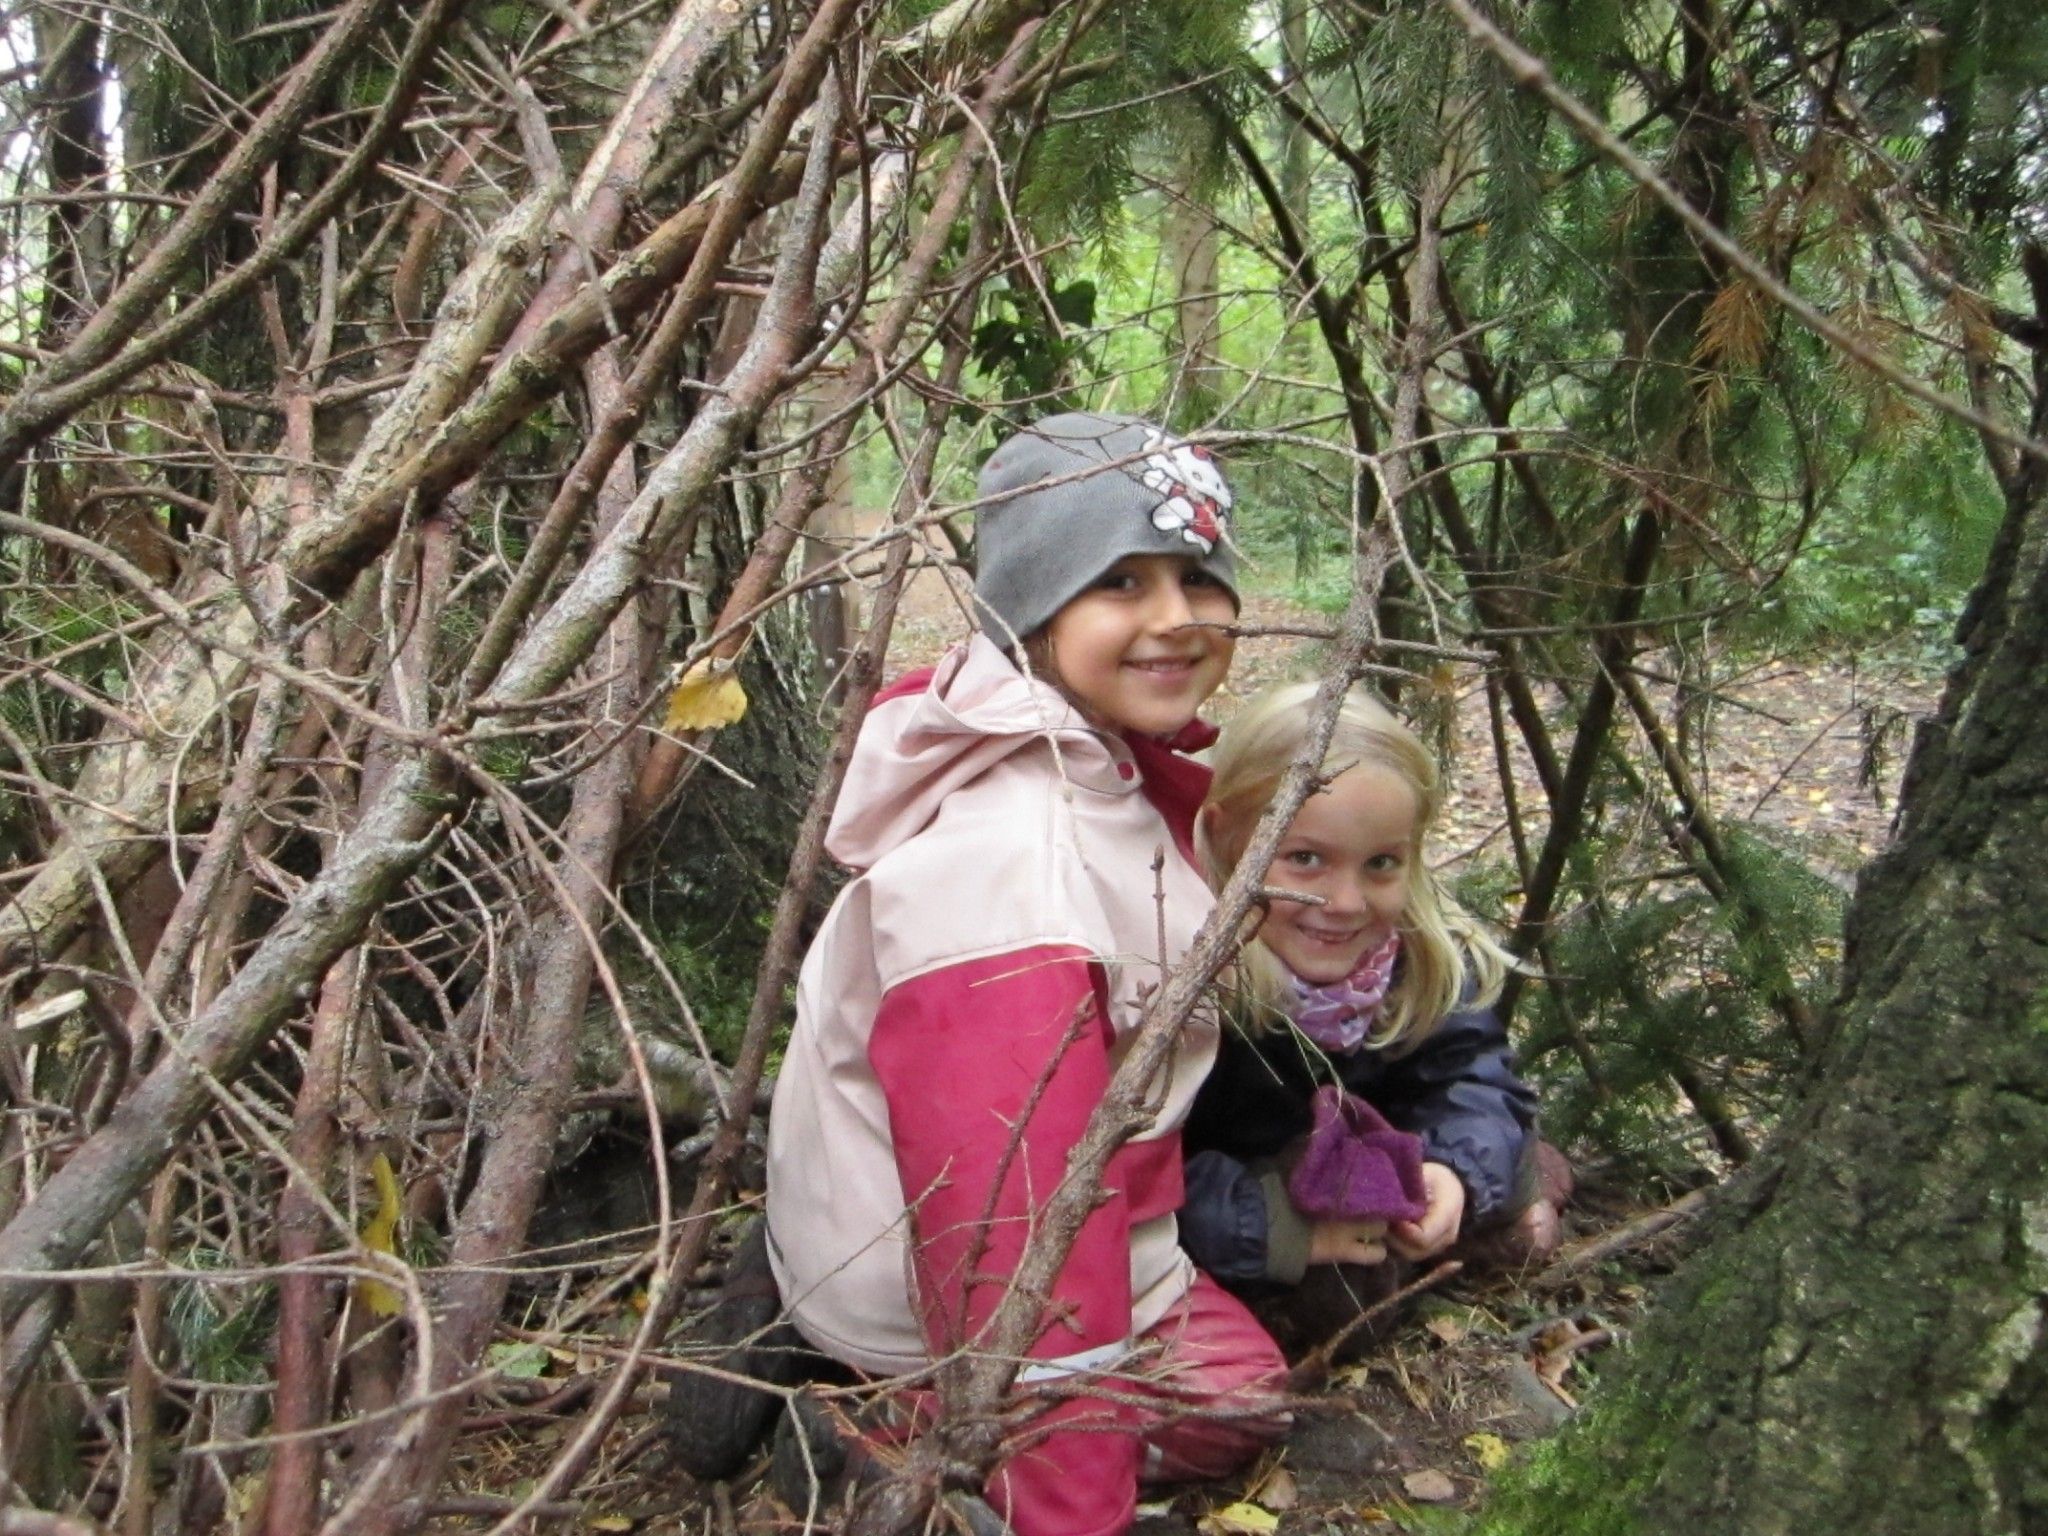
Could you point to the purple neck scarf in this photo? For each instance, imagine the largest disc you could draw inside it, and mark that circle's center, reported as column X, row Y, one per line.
column 1338, row 1017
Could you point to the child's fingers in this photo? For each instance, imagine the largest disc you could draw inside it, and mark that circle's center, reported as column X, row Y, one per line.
column 1414, row 1240
column 1342, row 1242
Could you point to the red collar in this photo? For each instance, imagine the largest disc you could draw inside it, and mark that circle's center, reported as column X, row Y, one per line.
column 1175, row 785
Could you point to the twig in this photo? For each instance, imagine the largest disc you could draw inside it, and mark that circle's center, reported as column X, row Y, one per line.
column 1579, row 1258
column 1310, row 1373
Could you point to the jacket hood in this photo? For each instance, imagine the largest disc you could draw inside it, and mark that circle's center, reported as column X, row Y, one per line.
column 916, row 748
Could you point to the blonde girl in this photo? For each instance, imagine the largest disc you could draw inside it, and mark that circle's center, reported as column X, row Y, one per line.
column 1381, row 985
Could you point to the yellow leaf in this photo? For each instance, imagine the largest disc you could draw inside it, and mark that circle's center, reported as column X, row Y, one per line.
column 1490, row 1451
column 609, row 1523
column 708, row 697
column 1238, row 1520
column 1351, row 1378
column 380, row 1235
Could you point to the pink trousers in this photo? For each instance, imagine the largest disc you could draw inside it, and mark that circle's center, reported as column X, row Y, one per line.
column 1203, row 1396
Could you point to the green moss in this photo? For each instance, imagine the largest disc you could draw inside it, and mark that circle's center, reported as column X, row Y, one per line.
column 1592, row 1479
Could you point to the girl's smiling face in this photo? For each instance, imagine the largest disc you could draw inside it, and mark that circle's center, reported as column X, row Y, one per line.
column 1355, row 845
column 1132, row 650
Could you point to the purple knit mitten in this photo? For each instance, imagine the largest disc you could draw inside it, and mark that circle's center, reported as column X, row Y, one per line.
column 1356, row 1167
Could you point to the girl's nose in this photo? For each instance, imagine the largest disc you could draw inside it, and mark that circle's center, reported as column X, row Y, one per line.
column 1169, row 608
column 1344, row 895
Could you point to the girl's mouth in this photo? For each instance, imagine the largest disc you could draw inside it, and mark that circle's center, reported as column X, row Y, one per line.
column 1332, row 937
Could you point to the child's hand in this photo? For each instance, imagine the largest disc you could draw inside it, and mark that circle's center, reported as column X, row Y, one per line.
column 1347, row 1242
column 1438, row 1228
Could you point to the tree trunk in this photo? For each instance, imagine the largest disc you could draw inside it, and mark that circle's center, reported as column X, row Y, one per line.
column 1188, row 245
column 1861, row 1346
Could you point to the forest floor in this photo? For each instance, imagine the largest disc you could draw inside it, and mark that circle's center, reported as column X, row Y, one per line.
column 1482, row 1364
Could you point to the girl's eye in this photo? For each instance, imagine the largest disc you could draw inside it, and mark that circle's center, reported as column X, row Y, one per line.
column 1115, row 581
column 1195, row 576
column 1300, row 858
column 1384, row 863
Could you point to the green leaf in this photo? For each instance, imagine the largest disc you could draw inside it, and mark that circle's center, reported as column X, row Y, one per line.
column 521, row 1362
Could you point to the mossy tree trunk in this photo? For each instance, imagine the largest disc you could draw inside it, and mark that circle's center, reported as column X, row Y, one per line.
column 1862, row 1345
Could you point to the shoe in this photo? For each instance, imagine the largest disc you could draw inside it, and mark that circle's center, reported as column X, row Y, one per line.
column 1554, row 1180
column 1329, row 1300
column 816, row 1453
column 1537, row 1231
column 715, row 1422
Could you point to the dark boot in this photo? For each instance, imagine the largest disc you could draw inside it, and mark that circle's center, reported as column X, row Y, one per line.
column 714, row 1423
column 816, row 1453
column 1328, row 1300
column 1533, row 1232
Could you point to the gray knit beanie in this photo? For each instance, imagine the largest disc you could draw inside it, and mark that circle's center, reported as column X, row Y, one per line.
column 1038, row 546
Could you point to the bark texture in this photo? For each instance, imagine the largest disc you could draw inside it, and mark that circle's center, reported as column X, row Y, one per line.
column 1863, row 1345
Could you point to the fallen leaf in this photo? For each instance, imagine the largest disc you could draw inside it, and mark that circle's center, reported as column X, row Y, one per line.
column 709, row 696
column 609, row 1523
column 1449, row 1330
column 1429, row 1486
column 522, row 1362
column 1277, row 1490
column 1490, row 1451
column 1351, row 1377
column 380, row 1235
column 1240, row 1519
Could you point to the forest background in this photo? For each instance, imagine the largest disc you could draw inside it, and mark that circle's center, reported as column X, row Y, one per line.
column 423, row 430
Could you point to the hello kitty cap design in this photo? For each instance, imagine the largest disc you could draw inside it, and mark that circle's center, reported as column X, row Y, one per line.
column 1066, row 498
column 1196, row 502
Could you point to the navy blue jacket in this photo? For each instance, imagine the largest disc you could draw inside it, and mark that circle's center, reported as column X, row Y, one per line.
column 1456, row 1089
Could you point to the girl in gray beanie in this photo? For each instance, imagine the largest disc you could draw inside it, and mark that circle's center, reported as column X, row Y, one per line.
column 1066, row 499
column 1021, row 827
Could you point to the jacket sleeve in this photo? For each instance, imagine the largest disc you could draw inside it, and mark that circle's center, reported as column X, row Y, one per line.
column 1458, row 1091
column 991, row 1069
column 1238, row 1223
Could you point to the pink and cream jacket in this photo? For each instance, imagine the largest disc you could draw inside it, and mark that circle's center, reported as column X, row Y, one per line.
column 958, row 1018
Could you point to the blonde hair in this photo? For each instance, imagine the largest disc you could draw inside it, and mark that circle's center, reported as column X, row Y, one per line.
column 1444, row 950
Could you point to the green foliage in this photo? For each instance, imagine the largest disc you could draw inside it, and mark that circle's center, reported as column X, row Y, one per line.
column 221, row 1329
column 1084, row 168
column 1668, row 983
column 237, row 48
column 1565, row 1486
column 505, row 759
column 1018, row 349
column 1917, row 523
column 1400, row 74
column 701, row 957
